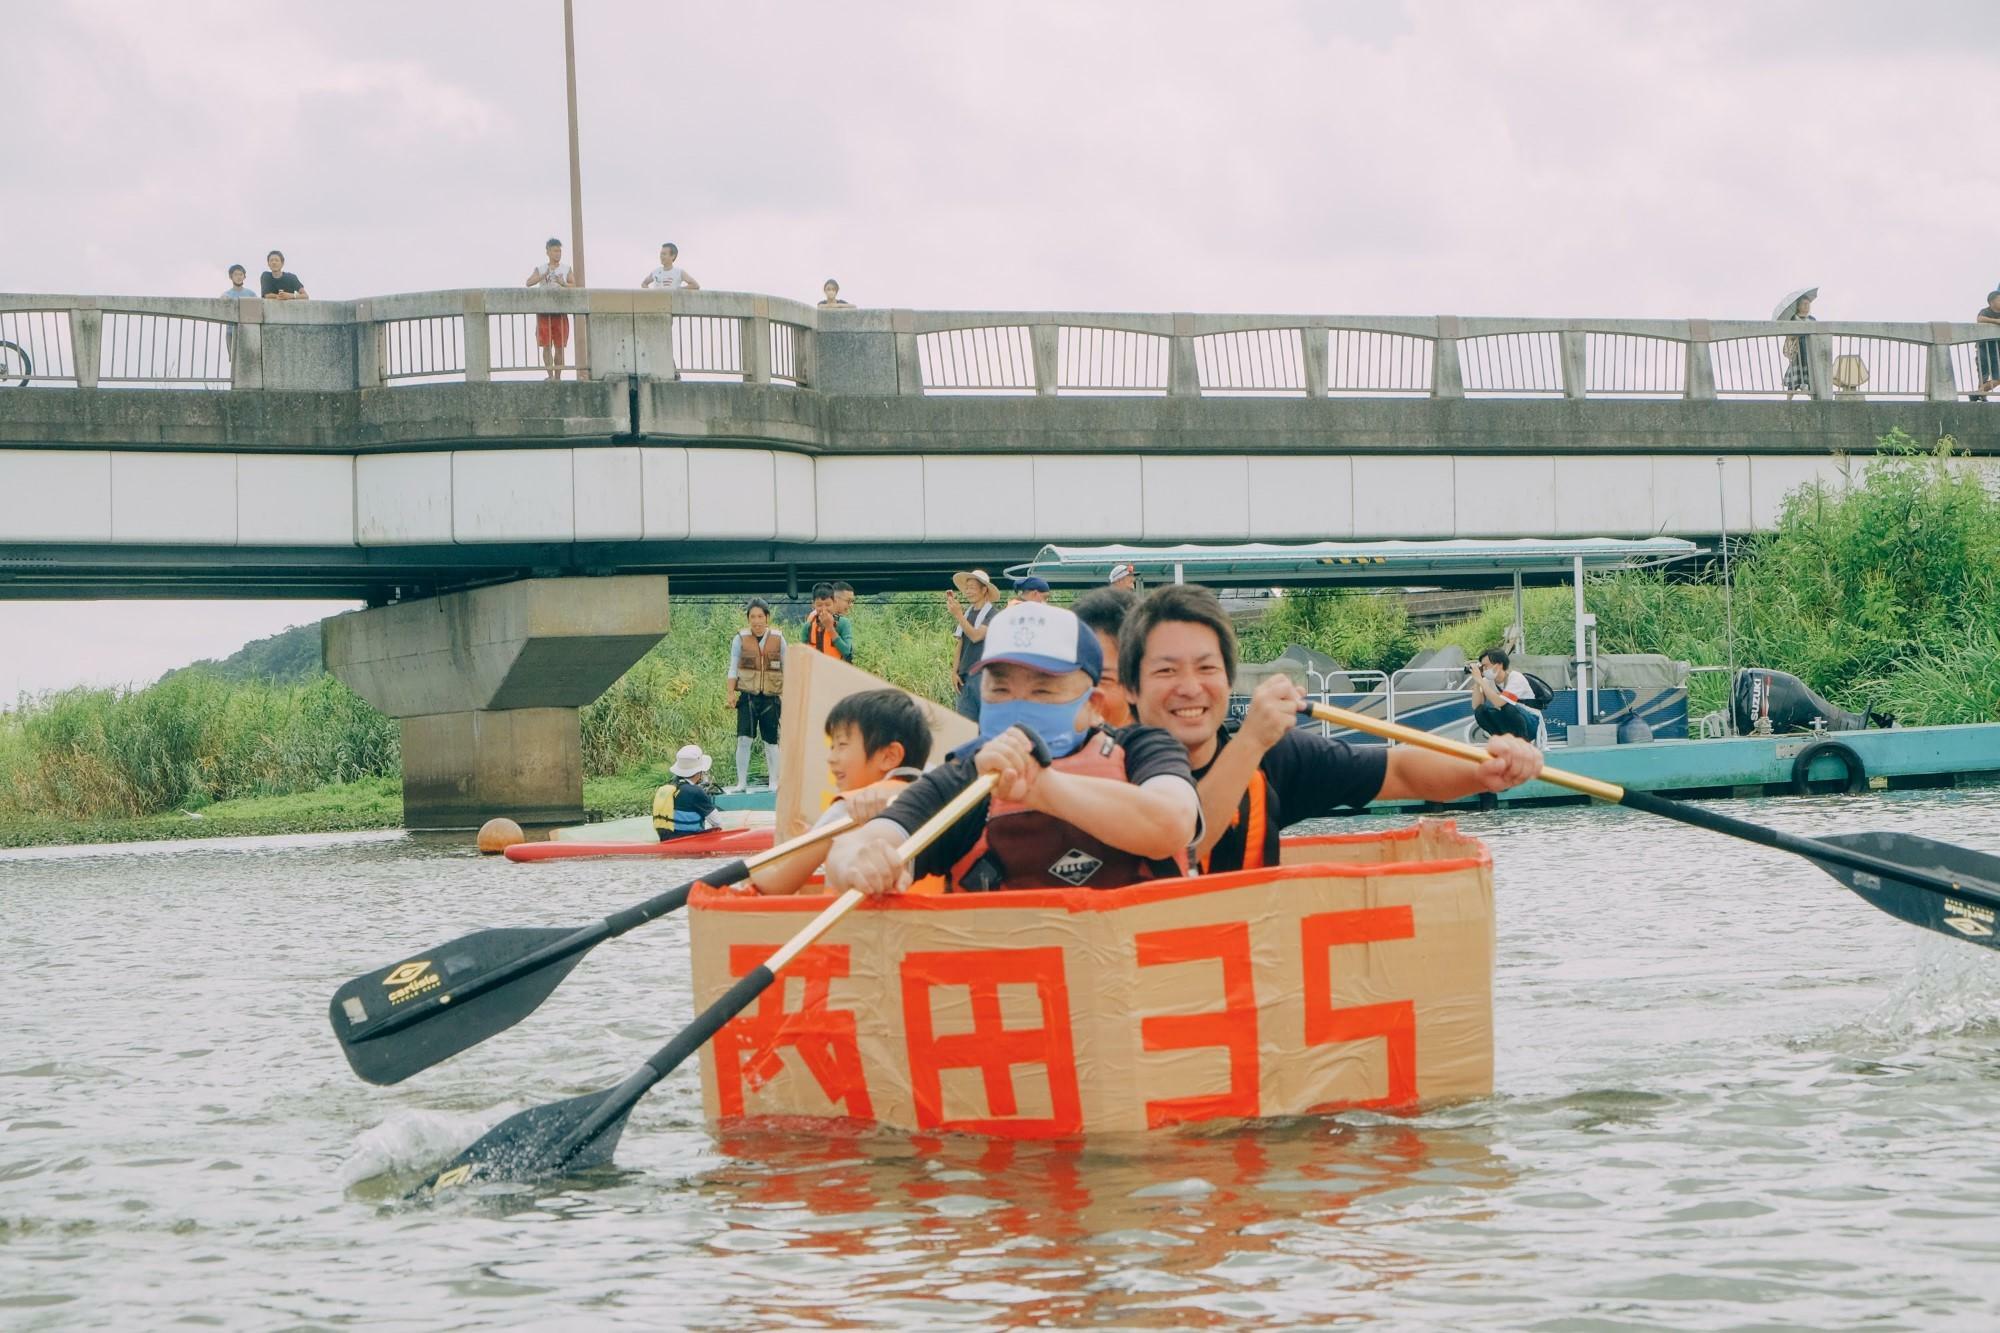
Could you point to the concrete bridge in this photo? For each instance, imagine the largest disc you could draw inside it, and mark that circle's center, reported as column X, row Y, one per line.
column 409, row 447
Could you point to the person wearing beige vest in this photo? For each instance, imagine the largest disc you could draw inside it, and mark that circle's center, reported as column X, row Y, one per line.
column 755, row 690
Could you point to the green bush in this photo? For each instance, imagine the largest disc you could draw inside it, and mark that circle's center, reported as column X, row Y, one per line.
column 1363, row 631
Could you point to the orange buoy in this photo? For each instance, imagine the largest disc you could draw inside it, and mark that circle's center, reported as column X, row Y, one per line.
column 497, row 835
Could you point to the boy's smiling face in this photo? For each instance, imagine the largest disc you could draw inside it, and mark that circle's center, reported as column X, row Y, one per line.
column 848, row 760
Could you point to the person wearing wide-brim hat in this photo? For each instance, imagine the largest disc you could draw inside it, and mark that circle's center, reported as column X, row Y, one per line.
column 977, row 587
column 684, row 806
column 1798, row 370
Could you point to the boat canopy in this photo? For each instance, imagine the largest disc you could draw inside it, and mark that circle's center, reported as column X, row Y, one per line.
column 1403, row 562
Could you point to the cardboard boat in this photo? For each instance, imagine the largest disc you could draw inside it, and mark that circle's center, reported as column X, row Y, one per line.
column 1358, row 974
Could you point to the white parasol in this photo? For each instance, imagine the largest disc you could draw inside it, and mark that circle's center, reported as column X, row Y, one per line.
column 1791, row 303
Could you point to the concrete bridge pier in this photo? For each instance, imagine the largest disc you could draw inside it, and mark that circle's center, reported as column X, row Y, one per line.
column 487, row 684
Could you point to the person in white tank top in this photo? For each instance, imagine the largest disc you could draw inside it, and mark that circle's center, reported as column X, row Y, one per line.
column 670, row 276
column 552, row 330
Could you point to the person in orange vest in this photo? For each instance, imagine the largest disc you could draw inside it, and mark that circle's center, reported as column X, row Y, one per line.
column 1109, row 809
column 1177, row 657
column 824, row 625
column 877, row 744
column 755, row 689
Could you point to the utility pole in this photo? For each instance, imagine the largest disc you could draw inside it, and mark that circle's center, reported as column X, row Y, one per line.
column 575, row 188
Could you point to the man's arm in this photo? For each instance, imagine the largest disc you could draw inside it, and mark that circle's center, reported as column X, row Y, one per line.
column 687, row 280
column 843, row 637
column 1156, row 819
column 735, row 669
column 1274, row 710
column 1423, row 775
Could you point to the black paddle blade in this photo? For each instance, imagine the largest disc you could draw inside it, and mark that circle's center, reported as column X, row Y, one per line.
column 401, row 1019
column 572, row 1135
column 1970, row 912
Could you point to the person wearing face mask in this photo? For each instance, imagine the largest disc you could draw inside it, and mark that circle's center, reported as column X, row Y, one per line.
column 1177, row 657
column 1110, row 809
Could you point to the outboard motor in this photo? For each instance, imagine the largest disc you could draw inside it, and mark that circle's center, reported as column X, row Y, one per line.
column 1789, row 704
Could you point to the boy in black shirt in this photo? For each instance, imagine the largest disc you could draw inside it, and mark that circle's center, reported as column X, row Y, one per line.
column 278, row 285
column 1112, row 808
column 1177, row 657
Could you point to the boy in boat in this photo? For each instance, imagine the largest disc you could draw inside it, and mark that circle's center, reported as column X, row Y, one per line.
column 1111, row 808
column 877, row 744
column 683, row 806
column 1178, row 656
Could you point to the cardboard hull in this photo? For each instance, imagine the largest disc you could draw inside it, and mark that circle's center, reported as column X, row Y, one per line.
column 1361, row 978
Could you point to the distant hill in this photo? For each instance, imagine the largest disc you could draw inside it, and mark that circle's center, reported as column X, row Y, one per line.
column 286, row 657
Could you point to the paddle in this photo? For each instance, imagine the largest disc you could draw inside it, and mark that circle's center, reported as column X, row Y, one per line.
column 399, row 1020
column 1952, row 890
column 582, row 1132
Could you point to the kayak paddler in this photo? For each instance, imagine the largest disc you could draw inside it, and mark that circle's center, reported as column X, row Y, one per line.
column 1178, row 653
column 1111, row 808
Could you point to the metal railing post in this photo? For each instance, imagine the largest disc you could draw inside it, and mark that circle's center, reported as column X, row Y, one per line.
column 1042, row 347
column 246, row 346
column 1699, row 384
column 1939, row 384
column 86, row 343
column 1571, row 345
column 1183, row 378
column 1447, row 380
column 1314, row 341
column 476, row 341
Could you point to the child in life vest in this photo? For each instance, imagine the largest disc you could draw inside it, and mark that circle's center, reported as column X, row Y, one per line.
column 1111, row 808
column 684, row 806
column 877, row 744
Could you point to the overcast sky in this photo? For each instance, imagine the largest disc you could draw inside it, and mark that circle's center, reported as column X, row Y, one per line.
column 1549, row 157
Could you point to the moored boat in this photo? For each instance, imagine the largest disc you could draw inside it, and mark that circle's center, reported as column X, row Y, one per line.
column 1357, row 974
column 715, row 842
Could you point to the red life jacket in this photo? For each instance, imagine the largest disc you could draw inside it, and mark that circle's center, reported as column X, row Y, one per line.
column 1027, row 849
column 1253, row 817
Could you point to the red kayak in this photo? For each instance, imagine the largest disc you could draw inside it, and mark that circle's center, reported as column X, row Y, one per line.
column 721, row 842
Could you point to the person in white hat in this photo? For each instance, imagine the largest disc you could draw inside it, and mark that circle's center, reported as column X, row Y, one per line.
column 684, row 806
column 1124, row 577
column 984, row 599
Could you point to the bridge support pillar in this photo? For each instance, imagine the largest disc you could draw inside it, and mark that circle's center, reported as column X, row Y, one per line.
column 487, row 685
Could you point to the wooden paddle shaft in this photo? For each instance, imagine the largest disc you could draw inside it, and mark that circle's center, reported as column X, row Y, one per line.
column 1472, row 754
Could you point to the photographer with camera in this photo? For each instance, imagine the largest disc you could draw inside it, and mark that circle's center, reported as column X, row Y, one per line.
column 1497, row 691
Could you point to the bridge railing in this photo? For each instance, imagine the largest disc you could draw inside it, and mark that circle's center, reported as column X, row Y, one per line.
column 479, row 336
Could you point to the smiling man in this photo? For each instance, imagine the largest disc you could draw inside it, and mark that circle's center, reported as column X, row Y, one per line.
column 1111, row 808
column 1177, row 657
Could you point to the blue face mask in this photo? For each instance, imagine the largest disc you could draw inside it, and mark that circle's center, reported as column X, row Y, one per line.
column 1054, row 723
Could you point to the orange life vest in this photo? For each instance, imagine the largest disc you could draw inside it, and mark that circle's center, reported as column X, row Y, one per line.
column 1252, row 816
column 1027, row 849
column 822, row 640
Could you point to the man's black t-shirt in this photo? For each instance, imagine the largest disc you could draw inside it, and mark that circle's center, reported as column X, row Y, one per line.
column 1149, row 753
column 1306, row 775
column 271, row 282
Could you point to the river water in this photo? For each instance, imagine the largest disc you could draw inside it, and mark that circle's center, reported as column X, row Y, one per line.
column 1730, row 1094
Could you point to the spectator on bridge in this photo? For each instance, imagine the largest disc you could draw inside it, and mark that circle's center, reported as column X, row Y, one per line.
column 670, row 276
column 1989, row 349
column 278, row 285
column 1798, row 370
column 755, row 689
column 238, row 276
column 1497, row 691
column 978, row 589
column 552, row 331
column 843, row 602
column 1125, row 578
column 830, row 297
